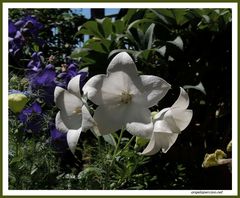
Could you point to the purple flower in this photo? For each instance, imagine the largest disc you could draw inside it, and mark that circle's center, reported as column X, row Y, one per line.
column 21, row 31
column 36, row 62
column 15, row 43
column 31, row 118
column 28, row 25
column 11, row 29
column 58, row 140
column 43, row 82
column 68, row 72
column 32, row 24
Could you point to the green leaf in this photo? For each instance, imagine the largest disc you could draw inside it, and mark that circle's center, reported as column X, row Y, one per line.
column 140, row 142
column 136, row 23
column 163, row 18
column 114, row 52
column 180, row 16
column 90, row 28
column 79, row 52
column 105, row 26
column 162, row 50
column 177, row 42
column 148, row 37
column 118, row 27
column 110, row 139
column 101, row 46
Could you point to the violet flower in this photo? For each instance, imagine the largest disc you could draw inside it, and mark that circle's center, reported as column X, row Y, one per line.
column 58, row 140
column 70, row 71
column 36, row 62
column 31, row 118
column 43, row 82
column 21, row 31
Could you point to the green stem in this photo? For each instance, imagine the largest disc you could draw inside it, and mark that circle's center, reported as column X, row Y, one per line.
column 117, row 147
column 99, row 144
column 118, row 143
column 129, row 142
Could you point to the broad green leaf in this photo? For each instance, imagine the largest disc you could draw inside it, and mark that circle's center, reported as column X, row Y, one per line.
column 163, row 18
column 179, row 15
column 105, row 26
column 91, row 28
column 118, row 27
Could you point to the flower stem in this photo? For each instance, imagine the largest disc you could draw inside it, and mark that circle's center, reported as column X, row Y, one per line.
column 129, row 142
column 118, row 143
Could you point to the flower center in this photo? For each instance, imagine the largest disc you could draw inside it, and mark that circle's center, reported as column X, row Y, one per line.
column 126, row 98
column 77, row 110
column 64, row 67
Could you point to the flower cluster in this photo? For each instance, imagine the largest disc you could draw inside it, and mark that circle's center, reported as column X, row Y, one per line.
column 124, row 100
column 21, row 32
column 41, row 78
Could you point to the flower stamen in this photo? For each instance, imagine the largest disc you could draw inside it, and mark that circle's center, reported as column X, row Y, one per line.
column 126, row 98
column 78, row 110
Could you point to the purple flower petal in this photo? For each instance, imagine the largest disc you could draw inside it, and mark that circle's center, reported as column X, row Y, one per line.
column 36, row 108
column 11, row 29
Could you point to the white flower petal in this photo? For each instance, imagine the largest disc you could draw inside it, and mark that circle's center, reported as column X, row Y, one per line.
column 162, row 126
column 87, row 120
column 159, row 115
column 68, row 103
column 140, row 129
column 165, row 140
column 160, row 140
column 123, row 62
column 60, row 124
column 138, row 113
column 74, row 86
column 71, row 121
column 57, row 92
column 178, row 118
column 102, row 89
column 72, row 139
column 151, row 148
column 155, row 88
column 92, row 89
column 183, row 100
column 139, row 121
column 113, row 117
column 110, row 118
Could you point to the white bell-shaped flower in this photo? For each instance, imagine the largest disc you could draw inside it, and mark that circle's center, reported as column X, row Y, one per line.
column 123, row 97
column 168, row 124
column 73, row 117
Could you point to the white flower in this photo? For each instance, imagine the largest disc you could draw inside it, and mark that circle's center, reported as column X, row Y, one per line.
column 123, row 97
column 73, row 117
column 168, row 124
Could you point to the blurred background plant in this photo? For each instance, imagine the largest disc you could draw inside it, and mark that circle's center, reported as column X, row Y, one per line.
column 190, row 48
